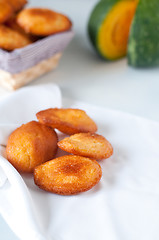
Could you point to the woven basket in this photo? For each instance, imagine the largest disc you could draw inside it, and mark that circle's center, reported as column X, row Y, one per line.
column 23, row 65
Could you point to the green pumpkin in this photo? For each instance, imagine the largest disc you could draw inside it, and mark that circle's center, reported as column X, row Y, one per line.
column 143, row 46
column 109, row 25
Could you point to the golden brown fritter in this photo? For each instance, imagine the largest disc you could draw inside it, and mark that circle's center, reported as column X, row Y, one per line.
column 11, row 39
column 43, row 22
column 87, row 145
column 69, row 121
column 12, row 23
column 5, row 11
column 17, row 4
column 30, row 145
column 68, row 175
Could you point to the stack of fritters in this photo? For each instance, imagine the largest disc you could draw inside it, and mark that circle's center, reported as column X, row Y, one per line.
column 32, row 147
column 20, row 27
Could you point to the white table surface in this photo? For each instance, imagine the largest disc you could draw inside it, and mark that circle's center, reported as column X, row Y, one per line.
column 83, row 76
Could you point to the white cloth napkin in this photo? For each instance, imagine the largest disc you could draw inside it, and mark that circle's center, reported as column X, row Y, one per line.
column 123, row 206
column 16, row 204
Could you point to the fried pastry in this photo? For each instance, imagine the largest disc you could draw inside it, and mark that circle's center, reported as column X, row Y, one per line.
column 17, row 4
column 5, row 11
column 11, row 39
column 12, row 24
column 43, row 22
column 87, row 145
column 69, row 121
column 68, row 175
column 30, row 145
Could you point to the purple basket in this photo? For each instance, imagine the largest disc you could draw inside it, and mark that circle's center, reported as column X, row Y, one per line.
column 23, row 58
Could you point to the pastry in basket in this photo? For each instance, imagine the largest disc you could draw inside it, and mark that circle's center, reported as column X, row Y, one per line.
column 12, row 23
column 17, row 4
column 5, row 11
column 11, row 39
column 87, row 145
column 30, row 145
column 67, row 120
column 43, row 22
column 68, row 175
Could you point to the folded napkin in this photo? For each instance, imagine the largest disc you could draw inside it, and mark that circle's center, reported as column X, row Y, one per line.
column 16, row 203
column 123, row 206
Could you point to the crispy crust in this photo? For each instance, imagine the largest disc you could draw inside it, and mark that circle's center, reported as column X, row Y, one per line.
column 87, row 145
column 68, row 175
column 5, row 11
column 30, row 145
column 69, row 121
column 11, row 39
column 43, row 22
